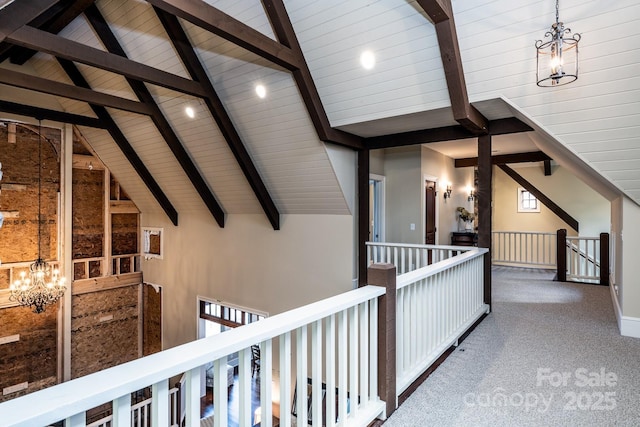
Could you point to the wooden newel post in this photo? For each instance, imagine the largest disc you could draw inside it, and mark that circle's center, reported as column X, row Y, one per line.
column 604, row 259
column 385, row 275
column 561, row 255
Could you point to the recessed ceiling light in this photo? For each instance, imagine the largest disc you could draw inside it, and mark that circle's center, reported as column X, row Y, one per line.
column 367, row 60
column 190, row 112
column 261, row 91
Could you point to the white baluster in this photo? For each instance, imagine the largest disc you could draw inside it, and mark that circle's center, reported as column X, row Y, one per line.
column 244, row 381
column 364, row 353
column 285, row 379
column 353, row 359
column 330, row 356
column 160, row 404
column 220, row 392
column 301, row 377
column 266, row 363
column 342, row 364
column 122, row 411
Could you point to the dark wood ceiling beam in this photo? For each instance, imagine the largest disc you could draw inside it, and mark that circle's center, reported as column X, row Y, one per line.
column 561, row 213
column 19, row 13
column 215, row 21
column 46, row 114
column 533, row 156
column 195, row 68
column 445, row 133
column 60, row 47
column 547, row 168
column 71, row 10
column 441, row 13
column 112, row 45
column 78, row 79
column 437, row 10
column 507, row 126
column 286, row 35
column 38, row 84
column 424, row 136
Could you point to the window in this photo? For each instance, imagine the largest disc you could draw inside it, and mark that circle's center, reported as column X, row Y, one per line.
column 527, row 202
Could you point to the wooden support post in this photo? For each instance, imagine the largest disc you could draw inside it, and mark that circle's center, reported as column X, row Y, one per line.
column 385, row 275
column 604, row 259
column 561, row 255
column 363, row 215
column 485, row 170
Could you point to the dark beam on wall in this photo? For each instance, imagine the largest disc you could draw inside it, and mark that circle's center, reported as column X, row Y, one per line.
column 46, row 114
column 547, row 167
column 214, row 104
column 38, row 84
column 60, row 47
column 533, row 156
column 363, row 214
column 485, row 179
column 561, row 213
column 213, row 20
column 126, row 148
column 112, row 45
column 286, row 35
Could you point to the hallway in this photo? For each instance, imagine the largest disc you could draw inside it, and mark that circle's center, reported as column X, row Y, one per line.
column 549, row 354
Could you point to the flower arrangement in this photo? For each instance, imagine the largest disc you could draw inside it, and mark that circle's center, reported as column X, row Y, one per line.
column 464, row 214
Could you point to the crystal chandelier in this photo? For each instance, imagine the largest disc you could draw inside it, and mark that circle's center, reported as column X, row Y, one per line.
column 43, row 285
column 557, row 59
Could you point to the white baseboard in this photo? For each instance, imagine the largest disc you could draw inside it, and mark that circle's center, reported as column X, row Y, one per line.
column 628, row 326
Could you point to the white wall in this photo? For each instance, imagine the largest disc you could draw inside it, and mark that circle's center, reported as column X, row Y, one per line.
column 405, row 170
column 630, row 281
column 248, row 264
column 591, row 210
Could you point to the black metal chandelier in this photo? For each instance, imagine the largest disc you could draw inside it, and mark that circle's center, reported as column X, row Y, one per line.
column 43, row 284
column 557, row 58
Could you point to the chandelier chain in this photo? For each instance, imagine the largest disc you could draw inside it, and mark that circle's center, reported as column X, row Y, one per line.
column 557, row 11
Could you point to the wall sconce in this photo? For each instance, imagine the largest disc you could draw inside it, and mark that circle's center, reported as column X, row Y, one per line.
column 472, row 195
column 447, row 192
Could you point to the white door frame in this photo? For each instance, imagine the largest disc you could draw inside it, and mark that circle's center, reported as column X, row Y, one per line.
column 381, row 203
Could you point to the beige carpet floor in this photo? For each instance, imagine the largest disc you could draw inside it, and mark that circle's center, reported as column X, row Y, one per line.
column 549, row 354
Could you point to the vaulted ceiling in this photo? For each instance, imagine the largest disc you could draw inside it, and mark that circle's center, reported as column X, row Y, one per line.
column 124, row 71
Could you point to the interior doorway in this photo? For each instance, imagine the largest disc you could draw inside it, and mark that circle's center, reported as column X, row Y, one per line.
column 430, row 227
column 376, row 208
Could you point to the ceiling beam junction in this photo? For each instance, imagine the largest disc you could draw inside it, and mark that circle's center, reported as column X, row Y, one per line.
column 286, row 35
column 195, row 68
column 138, row 165
column 215, row 21
column 441, row 14
column 51, row 87
column 112, row 45
column 60, row 47
column 68, row 10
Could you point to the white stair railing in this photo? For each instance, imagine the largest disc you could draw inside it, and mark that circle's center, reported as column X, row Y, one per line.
column 334, row 342
column 436, row 305
column 409, row 257
column 522, row 248
column 583, row 259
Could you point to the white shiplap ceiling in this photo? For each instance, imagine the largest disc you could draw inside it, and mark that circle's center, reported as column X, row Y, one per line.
column 595, row 119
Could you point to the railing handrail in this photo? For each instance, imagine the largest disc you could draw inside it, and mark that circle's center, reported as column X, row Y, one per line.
column 582, row 238
column 59, row 402
column 420, row 246
column 525, row 232
column 429, row 270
